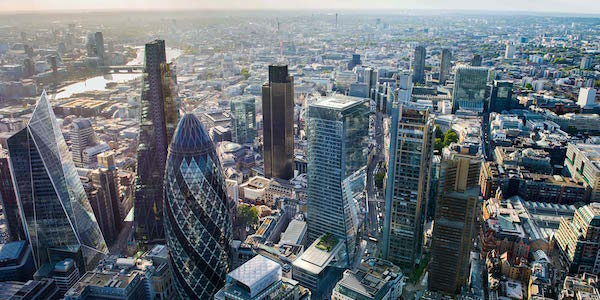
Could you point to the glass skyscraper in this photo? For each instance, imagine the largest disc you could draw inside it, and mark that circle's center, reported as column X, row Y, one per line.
column 278, row 123
column 57, row 215
column 407, row 186
column 338, row 130
column 243, row 119
column 419, row 65
column 470, row 84
column 445, row 65
column 197, row 221
column 158, row 117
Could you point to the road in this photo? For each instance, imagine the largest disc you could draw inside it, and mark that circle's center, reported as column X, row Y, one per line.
column 374, row 205
column 485, row 136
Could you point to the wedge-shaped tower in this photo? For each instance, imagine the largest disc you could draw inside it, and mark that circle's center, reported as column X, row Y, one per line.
column 57, row 216
column 197, row 220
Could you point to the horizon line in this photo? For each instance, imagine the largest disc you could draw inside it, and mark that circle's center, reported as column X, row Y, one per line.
column 387, row 11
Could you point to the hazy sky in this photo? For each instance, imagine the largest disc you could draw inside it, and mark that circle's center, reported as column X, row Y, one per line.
column 567, row 6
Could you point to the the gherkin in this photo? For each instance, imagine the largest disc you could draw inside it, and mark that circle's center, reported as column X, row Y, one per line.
column 197, row 220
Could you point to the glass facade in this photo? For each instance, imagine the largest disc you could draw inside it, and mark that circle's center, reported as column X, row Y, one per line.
column 243, row 120
column 159, row 115
column 407, row 186
column 470, row 85
column 501, row 96
column 338, row 129
column 57, row 215
column 278, row 124
column 197, row 221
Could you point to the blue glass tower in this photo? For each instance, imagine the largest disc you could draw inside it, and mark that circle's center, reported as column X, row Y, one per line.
column 56, row 213
column 197, row 221
column 338, row 130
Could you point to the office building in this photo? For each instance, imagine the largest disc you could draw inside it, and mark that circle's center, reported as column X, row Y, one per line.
column 445, row 65
column 407, row 185
column 587, row 97
column 582, row 162
column 320, row 266
column 469, row 89
column 95, row 46
column 374, row 279
column 8, row 200
column 586, row 63
column 44, row 289
column 338, row 130
column 355, row 61
column 194, row 187
column 476, row 61
column 16, row 261
column 260, row 278
column 65, row 274
column 82, row 136
column 418, row 65
column 57, row 215
column 579, row 240
column 159, row 114
column 107, row 203
column 509, row 52
column 278, row 123
column 243, row 120
column 501, row 98
column 109, row 285
column 454, row 222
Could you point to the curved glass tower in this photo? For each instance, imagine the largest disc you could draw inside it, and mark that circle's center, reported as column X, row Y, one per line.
column 197, row 221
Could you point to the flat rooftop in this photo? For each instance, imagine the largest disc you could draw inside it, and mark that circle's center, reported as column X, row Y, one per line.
column 253, row 272
column 338, row 102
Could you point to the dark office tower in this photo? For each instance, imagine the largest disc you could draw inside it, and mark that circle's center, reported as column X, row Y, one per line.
column 445, row 65
column 28, row 67
column 354, row 62
column 197, row 221
column 57, row 216
column 12, row 216
column 278, row 123
column 454, row 222
column 158, row 117
column 476, row 61
column 106, row 181
column 95, row 46
column 407, row 186
column 501, row 98
column 419, row 65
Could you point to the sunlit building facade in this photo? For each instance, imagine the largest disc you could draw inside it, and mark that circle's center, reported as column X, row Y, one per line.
column 470, row 84
column 197, row 221
column 159, row 115
column 338, row 130
column 243, row 120
column 57, row 216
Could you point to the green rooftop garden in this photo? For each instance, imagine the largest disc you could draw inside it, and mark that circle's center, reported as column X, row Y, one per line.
column 327, row 242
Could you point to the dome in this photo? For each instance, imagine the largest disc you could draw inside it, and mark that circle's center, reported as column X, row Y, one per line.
column 190, row 137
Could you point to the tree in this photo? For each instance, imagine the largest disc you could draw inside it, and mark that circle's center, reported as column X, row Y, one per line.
column 245, row 73
column 450, row 137
column 528, row 86
column 572, row 130
column 379, row 180
column 438, row 131
column 439, row 145
column 247, row 215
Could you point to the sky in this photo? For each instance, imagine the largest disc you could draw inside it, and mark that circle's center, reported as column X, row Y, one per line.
column 556, row 6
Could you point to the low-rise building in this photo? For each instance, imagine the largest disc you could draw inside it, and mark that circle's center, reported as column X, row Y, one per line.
column 375, row 279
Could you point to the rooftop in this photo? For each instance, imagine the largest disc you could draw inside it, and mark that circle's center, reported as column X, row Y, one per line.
column 338, row 102
column 315, row 260
column 257, row 273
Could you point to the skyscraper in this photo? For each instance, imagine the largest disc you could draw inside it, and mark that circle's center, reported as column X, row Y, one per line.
column 476, row 61
column 12, row 215
column 158, row 117
column 95, row 46
column 197, row 221
column 338, row 130
column 58, row 219
column 470, row 84
column 419, row 65
column 106, row 180
column 445, row 65
column 407, row 185
column 243, row 119
column 82, row 136
column 278, row 123
column 454, row 221
column 501, row 98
